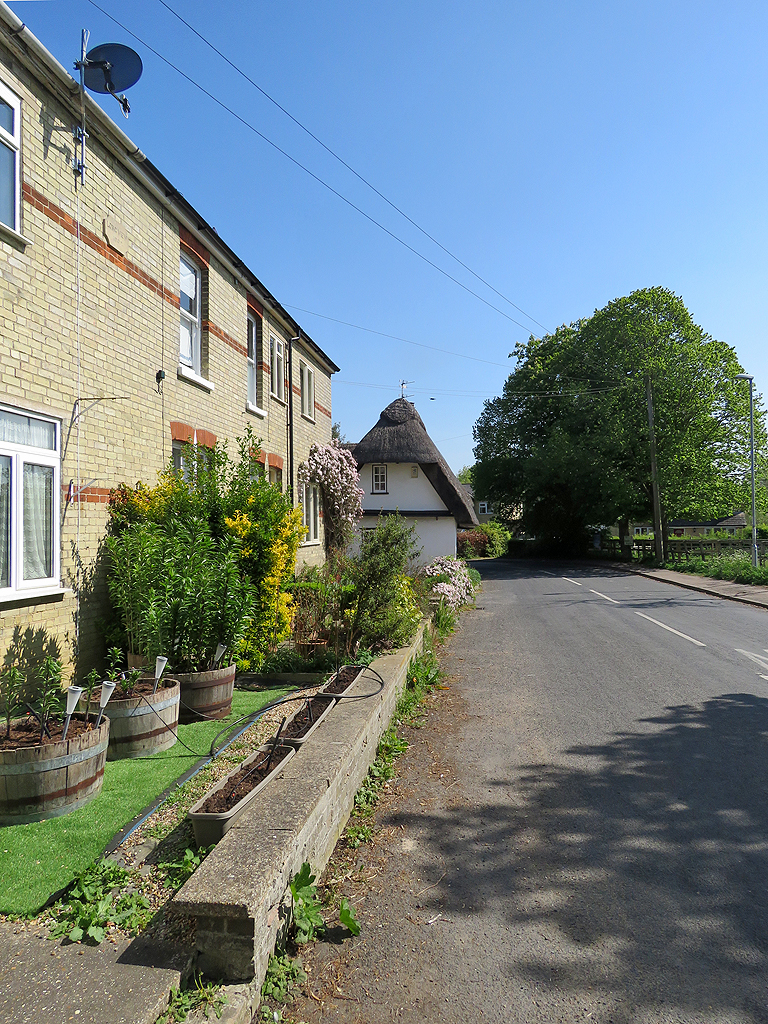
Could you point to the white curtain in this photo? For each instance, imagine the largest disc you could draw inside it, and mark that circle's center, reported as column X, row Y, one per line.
column 18, row 429
column 5, row 521
column 38, row 522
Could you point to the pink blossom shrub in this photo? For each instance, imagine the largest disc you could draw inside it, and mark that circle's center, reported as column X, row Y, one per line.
column 450, row 581
column 334, row 470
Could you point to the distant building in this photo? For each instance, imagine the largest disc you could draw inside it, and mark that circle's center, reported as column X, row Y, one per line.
column 483, row 509
column 696, row 527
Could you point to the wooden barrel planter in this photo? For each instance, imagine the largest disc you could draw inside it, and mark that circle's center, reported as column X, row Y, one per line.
column 142, row 726
column 206, row 694
column 52, row 779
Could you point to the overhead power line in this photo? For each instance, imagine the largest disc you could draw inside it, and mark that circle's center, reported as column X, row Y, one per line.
column 348, row 166
column 304, row 168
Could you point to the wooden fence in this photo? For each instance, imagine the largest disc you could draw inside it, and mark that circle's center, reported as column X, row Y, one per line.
column 682, row 548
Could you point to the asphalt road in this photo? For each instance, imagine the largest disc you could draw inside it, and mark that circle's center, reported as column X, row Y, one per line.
column 602, row 853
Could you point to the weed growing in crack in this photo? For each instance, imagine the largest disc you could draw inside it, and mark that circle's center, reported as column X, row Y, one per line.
column 94, row 903
column 356, row 835
column 283, row 975
column 307, row 921
column 178, row 871
column 204, row 995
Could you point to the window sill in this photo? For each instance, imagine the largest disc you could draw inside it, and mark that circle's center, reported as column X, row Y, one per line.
column 28, row 596
column 187, row 373
column 16, row 240
column 375, row 493
column 250, row 407
column 309, row 419
column 278, row 399
column 309, row 544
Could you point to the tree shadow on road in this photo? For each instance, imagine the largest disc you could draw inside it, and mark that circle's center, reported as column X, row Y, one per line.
column 638, row 872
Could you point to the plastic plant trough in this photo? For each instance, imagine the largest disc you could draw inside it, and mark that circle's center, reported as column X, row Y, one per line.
column 210, row 827
column 341, row 680
column 328, row 699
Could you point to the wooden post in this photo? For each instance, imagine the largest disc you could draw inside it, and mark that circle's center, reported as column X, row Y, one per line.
column 657, row 526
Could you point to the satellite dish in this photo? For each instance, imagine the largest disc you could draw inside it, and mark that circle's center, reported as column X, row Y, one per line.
column 112, row 67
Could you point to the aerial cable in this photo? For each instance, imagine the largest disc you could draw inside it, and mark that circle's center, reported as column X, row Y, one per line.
column 304, row 168
column 344, row 163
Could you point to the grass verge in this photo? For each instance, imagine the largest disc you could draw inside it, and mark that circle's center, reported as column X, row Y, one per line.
column 42, row 857
column 736, row 568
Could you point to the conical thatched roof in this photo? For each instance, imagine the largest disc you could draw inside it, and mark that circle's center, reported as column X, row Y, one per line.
column 400, row 436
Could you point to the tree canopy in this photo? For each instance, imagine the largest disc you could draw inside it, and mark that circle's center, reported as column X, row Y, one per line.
column 568, row 440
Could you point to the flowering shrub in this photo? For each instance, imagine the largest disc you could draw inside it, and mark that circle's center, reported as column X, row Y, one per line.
column 334, row 470
column 450, row 581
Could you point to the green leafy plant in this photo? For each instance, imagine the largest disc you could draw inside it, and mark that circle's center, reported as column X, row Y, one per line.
column 127, row 683
column 178, row 871
column 91, row 682
column 49, row 702
column 307, row 921
column 444, row 619
column 11, row 687
column 356, row 835
column 114, row 661
column 347, row 917
column 203, row 995
column 283, row 975
column 94, row 902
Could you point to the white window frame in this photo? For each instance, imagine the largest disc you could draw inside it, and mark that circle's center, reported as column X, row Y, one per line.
column 307, row 390
column 482, row 508
column 253, row 358
column 13, row 142
column 379, row 479
column 21, row 455
column 277, row 367
column 310, row 513
column 193, row 323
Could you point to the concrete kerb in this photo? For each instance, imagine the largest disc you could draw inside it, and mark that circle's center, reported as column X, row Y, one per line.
column 237, row 895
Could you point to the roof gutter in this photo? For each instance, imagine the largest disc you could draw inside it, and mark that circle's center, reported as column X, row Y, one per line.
column 132, row 158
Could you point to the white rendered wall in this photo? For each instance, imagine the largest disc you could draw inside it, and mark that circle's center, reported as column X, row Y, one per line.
column 436, row 537
column 404, row 492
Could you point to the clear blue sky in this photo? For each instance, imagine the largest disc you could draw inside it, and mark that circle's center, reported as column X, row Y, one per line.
column 567, row 152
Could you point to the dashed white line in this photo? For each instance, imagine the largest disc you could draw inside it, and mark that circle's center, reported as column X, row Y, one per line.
column 570, row 580
column 604, row 596
column 549, row 573
column 757, row 658
column 671, row 630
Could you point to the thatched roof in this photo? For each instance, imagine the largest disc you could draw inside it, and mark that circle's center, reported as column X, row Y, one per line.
column 400, row 436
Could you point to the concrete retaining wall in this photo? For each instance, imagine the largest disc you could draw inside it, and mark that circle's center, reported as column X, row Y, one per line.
column 237, row 895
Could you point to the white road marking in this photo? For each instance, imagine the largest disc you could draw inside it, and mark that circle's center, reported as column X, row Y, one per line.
column 571, row 581
column 549, row 573
column 604, row 596
column 671, row 630
column 757, row 658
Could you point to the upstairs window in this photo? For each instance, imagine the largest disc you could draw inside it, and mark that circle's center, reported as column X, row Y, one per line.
column 483, row 508
column 307, row 391
column 277, row 367
column 310, row 504
column 379, row 479
column 189, row 311
column 254, row 358
column 29, row 502
column 10, row 142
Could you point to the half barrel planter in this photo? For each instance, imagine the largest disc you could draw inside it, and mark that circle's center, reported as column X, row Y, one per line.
column 142, row 726
column 297, row 741
column 52, row 779
column 210, row 827
column 206, row 694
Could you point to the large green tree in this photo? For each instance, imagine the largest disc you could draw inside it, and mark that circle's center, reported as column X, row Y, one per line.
column 569, row 440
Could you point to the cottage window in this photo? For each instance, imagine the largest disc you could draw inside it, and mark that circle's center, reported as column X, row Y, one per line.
column 10, row 141
column 277, row 367
column 379, row 479
column 254, row 358
column 189, row 312
column 29, row 503
column 307, row 391
column 310, row 503
column 483, row 508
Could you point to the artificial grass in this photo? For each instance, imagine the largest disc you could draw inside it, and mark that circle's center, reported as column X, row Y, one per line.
column 38, row 859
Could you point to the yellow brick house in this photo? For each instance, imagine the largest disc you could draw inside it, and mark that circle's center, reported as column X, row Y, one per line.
column 127, row 327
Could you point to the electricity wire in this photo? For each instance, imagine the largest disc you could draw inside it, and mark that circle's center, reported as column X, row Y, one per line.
column 344, row 163
column 304, row 168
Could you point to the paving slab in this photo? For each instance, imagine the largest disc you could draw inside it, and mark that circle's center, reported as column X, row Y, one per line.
column 48, row 982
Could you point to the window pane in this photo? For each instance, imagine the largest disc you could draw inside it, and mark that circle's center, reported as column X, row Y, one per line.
column 27, row 430
column 6, row 117
column 252, row 396
column 8, row 186
column 188, row 287
column 251, row 345
column 186, row 342
column 5, row 521
column 38, row 522
column 315, row 508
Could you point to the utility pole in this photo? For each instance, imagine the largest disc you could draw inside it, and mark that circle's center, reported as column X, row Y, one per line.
column 751, row 379
column 657, row 529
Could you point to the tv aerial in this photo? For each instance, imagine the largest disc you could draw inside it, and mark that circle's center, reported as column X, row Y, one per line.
column 108, row 69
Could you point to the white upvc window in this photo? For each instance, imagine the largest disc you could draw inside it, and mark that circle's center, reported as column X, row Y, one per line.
column 10, row 145
column 307, row 391
column 310, row 505
column 30, row 488
column 483, row 508
column 254, row 357
column 189, row 312
column 379, row 479
column 277, row 367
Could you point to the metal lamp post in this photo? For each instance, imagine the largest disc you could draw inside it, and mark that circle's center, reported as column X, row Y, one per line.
column 750, row 378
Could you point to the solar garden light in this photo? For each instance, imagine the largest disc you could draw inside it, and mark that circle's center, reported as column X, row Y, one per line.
column 160, row 663
column 74, row 693
column 220, row 652
column 107, row 689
